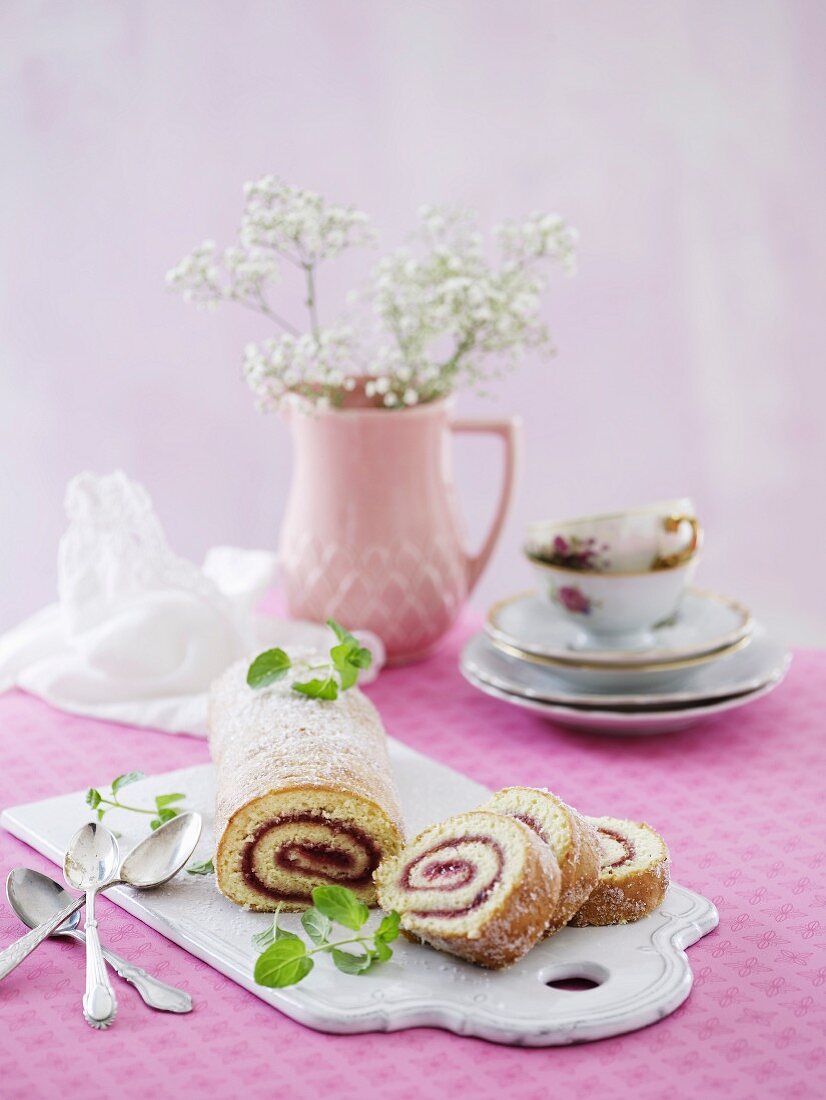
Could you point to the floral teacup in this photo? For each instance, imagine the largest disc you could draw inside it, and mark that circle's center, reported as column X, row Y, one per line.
column 619, row 576
column 653, row 536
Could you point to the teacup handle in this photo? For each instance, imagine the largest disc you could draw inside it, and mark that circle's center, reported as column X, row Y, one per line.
column 509, row 432
column 672, row 524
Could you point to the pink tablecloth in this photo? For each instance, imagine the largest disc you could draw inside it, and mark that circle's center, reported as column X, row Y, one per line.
column 741, row 801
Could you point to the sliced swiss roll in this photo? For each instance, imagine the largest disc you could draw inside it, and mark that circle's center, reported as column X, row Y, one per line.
column 633, row 877
column 304, row 793
column 479, row 885
column 572, row 841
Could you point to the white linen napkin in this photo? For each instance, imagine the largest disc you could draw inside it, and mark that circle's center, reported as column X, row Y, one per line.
column 139, row 634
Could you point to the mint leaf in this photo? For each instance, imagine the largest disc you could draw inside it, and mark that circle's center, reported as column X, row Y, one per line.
column 381, row 951
column 93, row 798
column 351, row 964
column 361, row 657
column 339, row 631
column 163, row 816
column 166, row 799
column 205, row 868
column 317, row 926
column 101, row 812
column 388, row 930
column 340, row 656
column 273, row 934
column 283, row 934
column 283, row 963
column 318, row 689
column 349, row 652
column 341, row 905
column 272, row 665
column 124, row 781
column 265, row 938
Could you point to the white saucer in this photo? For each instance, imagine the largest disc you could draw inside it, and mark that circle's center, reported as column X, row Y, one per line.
column 624, row 723
column 704, row 624
column 762, row 661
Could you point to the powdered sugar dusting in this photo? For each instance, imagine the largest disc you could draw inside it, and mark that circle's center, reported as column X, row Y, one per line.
column 275, row 739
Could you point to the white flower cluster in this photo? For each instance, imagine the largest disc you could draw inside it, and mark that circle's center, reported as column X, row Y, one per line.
column 278, row 223
column 317, row 369
column 300, row 224
column 445, row 312
column 206, row 277
column 539, row 236
column 452, row 313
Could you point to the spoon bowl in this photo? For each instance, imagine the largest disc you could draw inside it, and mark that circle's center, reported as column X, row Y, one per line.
column 92, row 857
column 163, row 854
column 35, row 898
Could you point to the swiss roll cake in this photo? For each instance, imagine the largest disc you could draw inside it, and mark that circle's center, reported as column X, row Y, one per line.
column 634, row 873
column 479, row 885
column 304, row 793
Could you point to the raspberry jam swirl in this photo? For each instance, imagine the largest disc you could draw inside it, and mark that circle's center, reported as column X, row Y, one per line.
column 532, row 823
column 455, row 877
column 329, row 852
column 610, row 857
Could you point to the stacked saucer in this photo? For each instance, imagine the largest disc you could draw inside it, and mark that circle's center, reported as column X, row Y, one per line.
column 712, row 658
column 582, row 652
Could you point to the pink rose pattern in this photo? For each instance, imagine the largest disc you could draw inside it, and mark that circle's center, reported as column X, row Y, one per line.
column 573, row 599
column 575, row 553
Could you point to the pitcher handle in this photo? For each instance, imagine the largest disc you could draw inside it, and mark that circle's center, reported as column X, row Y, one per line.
column 509, row 432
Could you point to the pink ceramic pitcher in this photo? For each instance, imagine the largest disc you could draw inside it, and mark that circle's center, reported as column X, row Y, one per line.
column 372, row 536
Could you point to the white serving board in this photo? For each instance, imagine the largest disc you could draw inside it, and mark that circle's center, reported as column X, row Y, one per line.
column 642, row 967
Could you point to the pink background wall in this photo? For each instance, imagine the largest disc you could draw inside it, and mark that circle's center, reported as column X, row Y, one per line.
column 684, row 139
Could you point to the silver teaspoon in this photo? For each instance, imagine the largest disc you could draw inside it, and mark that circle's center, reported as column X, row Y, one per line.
column 91, row 862
column 35, row 898
column 153, row 862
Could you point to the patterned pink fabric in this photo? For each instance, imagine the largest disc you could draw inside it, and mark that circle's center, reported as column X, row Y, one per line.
column 741, row 801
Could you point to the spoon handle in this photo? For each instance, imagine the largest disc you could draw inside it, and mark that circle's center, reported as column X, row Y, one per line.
column 155, row 993
column 99, row 1004
column 13, row 955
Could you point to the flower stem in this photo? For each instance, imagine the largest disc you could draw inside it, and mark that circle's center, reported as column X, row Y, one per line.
column 260, row 306
column 310, row 302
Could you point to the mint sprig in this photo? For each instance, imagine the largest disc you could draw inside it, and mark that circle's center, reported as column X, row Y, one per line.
column 347, row 659
column 286, row 959
column 163, row 811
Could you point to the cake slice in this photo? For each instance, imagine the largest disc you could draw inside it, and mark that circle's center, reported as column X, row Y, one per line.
column 572, row 841
column 633, row 877
column 479, row 885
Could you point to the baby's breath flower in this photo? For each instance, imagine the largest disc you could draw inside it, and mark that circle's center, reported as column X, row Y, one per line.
column 298, row 223
column 446, row 311
column 449, row 295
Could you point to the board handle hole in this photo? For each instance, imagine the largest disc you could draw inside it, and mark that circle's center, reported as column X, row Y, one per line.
column 573, row 985
column 577, row 976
